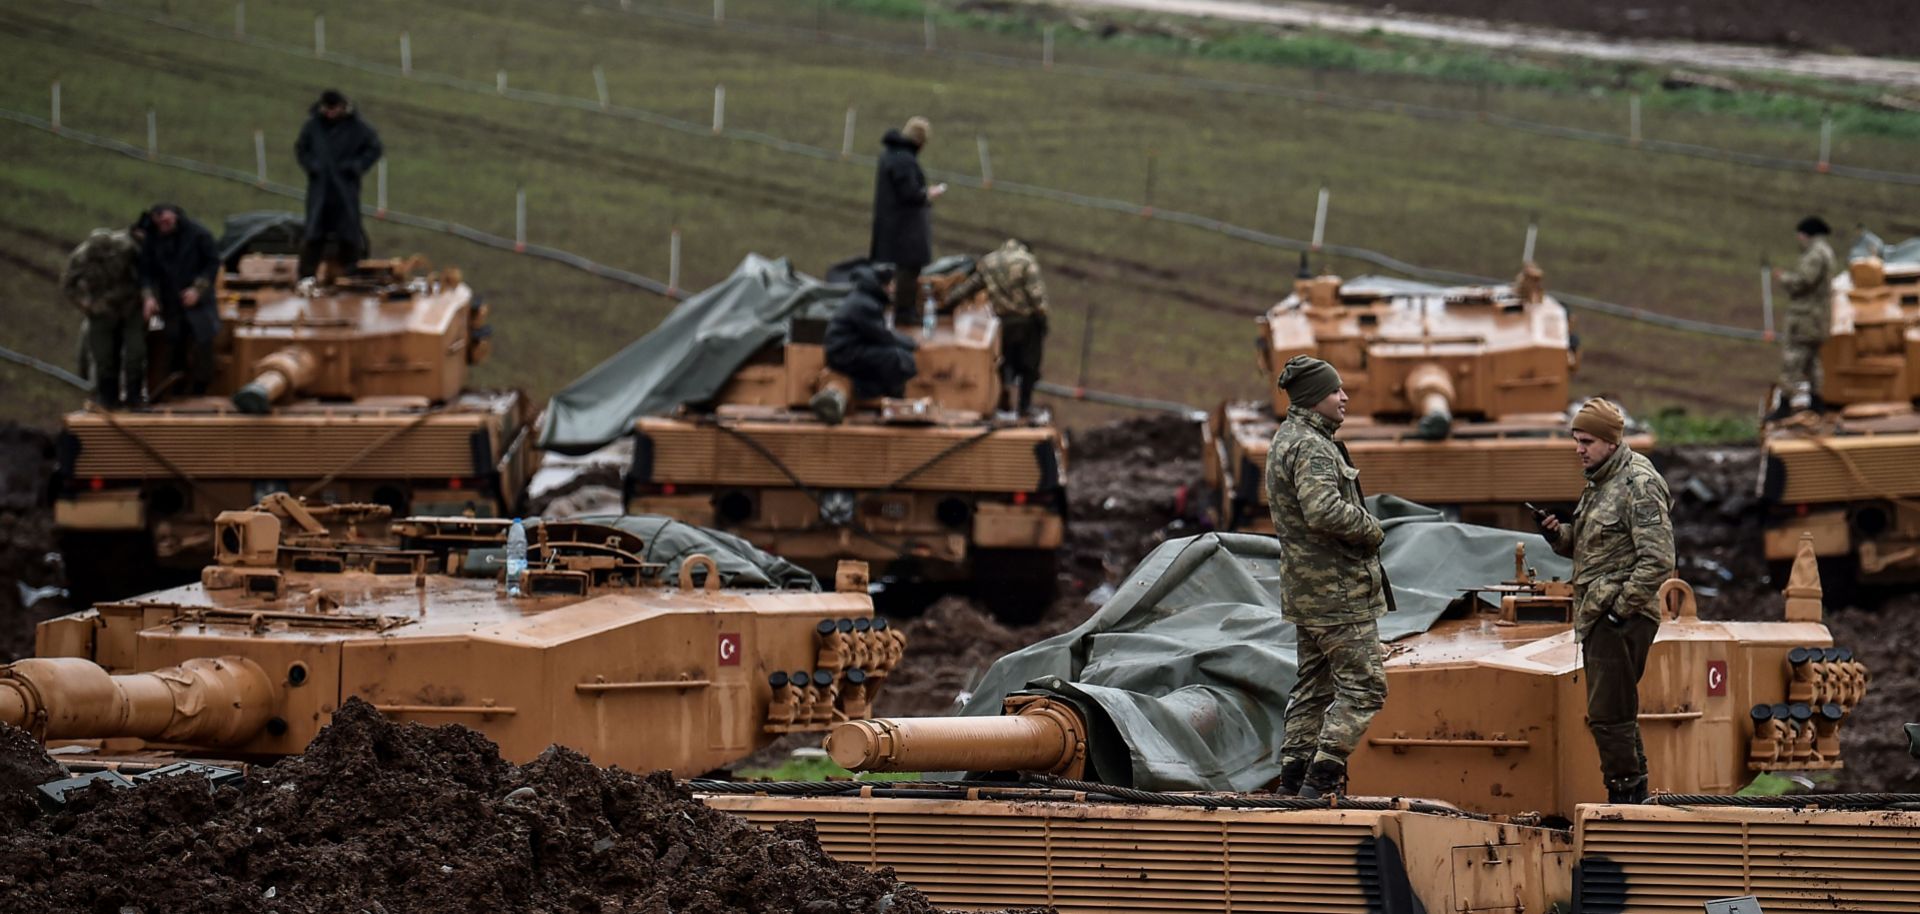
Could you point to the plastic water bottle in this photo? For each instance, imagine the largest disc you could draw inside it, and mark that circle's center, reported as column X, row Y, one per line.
column 516, row 556
column 926, row 317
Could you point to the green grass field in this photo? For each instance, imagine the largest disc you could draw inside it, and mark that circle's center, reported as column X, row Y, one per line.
column 1673, row 234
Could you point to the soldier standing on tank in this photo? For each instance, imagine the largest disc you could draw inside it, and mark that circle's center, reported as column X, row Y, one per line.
column 902, row 215
column 1011, row 278
column 335, row 148
column 1332, row 587
column 178, row 266
column 102, row 279
column 1621, row 542
column 1809, row 316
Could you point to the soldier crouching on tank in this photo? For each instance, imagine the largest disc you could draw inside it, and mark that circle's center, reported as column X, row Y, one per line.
column 178, row 266
column 1809, row 316
column 1011, row 277
column 1332, row 587
column 1621, row 542
column 860, row 345
column 102, row 279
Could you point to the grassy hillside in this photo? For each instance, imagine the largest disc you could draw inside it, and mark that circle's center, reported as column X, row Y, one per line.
column 1668, row 233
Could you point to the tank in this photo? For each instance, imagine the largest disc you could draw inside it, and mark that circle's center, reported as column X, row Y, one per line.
column 354, row 390
column 630, row 660
column 1850, row 476
column 1459, row 396
column 1459, row 801
column 933, row 489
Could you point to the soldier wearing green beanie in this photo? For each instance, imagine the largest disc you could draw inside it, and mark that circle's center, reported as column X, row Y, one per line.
column 1332, row 587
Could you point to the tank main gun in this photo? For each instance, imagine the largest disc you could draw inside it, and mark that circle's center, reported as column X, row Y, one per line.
column 215, row 701
column 278, row 374
column 1035, row 733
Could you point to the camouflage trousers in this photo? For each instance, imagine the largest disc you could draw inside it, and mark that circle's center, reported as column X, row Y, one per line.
column 1612, row 658
column 117, row 346
column 1342, row 684
column 1800, row 354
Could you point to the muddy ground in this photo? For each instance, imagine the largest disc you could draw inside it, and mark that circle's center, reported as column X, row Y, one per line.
column 1873, row 27
column 1127, row 482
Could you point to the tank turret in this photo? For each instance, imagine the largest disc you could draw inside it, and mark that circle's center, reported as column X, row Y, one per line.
column 631, row 660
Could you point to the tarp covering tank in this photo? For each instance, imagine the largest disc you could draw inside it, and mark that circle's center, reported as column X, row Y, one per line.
column 260, row 232
column 1189, row 664
column 1870, row 245
column 739, row 563
column 689, row 357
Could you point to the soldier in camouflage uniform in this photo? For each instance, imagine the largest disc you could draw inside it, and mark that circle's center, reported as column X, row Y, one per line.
column 1011, row 278
column 1809, row 314
column 1332, row 587
column 1621, row 542
column 102, row 279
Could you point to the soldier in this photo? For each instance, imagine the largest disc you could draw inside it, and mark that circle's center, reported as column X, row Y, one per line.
column 178, row 266
column 902, row 223
column 335, row 148
column 1809, row 315
column 102, row 279
column 1331, row 584
column 1011, row 277
column 876, row 357
column 1621, row 541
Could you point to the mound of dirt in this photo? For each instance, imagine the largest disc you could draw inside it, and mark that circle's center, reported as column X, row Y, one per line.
column 389, row 818
column 1128, row 482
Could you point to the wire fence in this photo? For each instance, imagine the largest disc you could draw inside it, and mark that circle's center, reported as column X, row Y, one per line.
column 1047, row 60
column 717, row 129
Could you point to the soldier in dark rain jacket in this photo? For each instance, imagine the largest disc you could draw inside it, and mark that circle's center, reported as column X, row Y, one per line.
column 178, row 266
column 335, row 148
column 902, row 215
column 861, row 346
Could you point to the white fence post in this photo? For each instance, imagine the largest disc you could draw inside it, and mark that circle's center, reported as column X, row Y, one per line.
column 719, row 108
column 1046, row 48
column 986, row 163
column 520, row 220
column 1633, row 120
column 1826, row 145
column 153, row 135
column 1320, row 218
column 239, row 20
column 719, row 10
column 1766, row 299
column 673, row 260
column 1533, row 235
column 260, row 156
column 846, row 139
column 600, row 87
column 56, row 106
column 500, row 81
column 380, row 190
column 319, row 35
column 406, row 53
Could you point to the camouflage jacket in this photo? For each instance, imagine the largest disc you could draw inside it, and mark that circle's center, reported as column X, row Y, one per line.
column 1329, row 545
column 1810, row 283
column 102, row 277
column 1012, row 279
column 1621, row 541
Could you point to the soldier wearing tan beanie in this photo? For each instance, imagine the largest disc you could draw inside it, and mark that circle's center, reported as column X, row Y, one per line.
column 1601, row 419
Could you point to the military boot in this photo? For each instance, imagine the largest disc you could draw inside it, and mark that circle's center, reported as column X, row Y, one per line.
column 1292, row 772
column 829, row 404
column 1325, row 777
column 1628, row 790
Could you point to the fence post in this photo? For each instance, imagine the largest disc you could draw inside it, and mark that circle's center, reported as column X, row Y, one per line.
column 986, row 163
column 239, row 20
column 926, row 19
column 520, row 220
column 380, row 190
column 1146, row 210
column 1826, row 145
column 1766, row 300
column 153, row 135
column 600, row 87
column 319, row 35
column 673, row 261
column 1633, row 120
column 719, row 10
column 500, row 82
column 1086, row 346
column 56, row 106
column 406, row 53
column 260, row 156
column 846, row 139
column 1046, row 48
column 1320, row 218
column 1533, row 235
column 719, row 108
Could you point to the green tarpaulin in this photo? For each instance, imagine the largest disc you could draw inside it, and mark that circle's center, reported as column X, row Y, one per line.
column 670, row 542
column 1184, row 673
column 1870, row 245
column 689, row 357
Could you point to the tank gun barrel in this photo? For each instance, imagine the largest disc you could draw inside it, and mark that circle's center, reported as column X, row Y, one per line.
column 276, row 375
column 1430, row 390
column 1038, row 734
column 205, row 701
